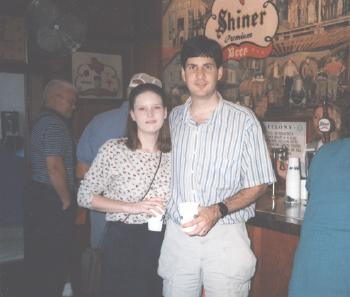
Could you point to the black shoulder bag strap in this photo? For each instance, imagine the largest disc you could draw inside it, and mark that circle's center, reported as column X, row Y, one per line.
column 150, row 185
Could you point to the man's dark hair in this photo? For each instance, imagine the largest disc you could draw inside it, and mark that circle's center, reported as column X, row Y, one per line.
column 133, row 142
column 201, row 46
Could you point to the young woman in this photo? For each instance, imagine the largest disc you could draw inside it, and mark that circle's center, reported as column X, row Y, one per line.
column 129, row 179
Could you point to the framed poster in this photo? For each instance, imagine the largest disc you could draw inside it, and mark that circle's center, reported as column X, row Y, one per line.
column 13, row 39
column 291, row 134
column 97, row 76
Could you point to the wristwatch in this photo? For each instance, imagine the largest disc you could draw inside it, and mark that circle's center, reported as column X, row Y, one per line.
column 223, row 209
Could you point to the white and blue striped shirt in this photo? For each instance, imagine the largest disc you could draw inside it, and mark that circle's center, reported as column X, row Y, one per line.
column 216, row 159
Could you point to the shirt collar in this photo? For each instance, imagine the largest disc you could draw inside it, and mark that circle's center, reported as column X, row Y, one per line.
column 48, row 110
column 187, row 118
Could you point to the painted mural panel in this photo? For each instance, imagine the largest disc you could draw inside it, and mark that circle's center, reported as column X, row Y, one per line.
column 309, row 58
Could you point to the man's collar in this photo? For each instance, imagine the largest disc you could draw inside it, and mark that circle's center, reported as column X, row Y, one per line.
column 55, row 112
column 187, row 118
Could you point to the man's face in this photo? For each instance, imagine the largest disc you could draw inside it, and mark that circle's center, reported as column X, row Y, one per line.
column 201, row 76
column 67, row 101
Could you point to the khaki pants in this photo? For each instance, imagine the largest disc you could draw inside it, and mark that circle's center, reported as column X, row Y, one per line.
column 222, row 262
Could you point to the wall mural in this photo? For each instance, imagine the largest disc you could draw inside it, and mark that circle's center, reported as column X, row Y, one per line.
column 309, row 56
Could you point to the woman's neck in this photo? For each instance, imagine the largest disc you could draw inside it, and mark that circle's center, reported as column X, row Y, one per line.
column 148, row 142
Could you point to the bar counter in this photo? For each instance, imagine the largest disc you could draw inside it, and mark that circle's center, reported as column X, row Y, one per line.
column 274, row 234
column 275, row 214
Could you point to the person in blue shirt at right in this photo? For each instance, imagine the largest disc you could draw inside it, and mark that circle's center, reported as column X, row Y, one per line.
column 321, row 263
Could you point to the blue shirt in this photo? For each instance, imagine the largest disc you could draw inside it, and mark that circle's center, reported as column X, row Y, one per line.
column 216, row 159
column 321, row 263
column 104, row 126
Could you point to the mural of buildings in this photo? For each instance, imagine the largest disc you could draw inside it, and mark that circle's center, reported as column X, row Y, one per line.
column 182, row 19
column 310, row 56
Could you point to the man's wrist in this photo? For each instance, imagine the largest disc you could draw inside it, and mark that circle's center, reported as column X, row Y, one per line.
column 223, row 209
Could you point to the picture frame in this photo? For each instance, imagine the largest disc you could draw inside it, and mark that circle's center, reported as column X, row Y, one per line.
column 13, row 40
column 97, row 76
column 291, row 134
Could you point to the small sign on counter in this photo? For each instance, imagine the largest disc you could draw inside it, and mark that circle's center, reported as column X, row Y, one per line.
column 290, row 134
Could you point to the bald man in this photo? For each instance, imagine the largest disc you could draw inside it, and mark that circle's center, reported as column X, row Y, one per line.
column 49, row 213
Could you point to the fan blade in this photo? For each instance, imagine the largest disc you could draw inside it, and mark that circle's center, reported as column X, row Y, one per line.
column 49, row 39
column 41, row 13
column 73, row 31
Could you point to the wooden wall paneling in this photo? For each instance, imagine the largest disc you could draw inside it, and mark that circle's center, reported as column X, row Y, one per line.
column 112, row 20
column 148, row 30
column 148, row 18
column 275, row 253
column 278, row 254
column 147, row 55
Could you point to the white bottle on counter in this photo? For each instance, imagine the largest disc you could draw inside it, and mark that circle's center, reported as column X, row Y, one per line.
column 293, row 181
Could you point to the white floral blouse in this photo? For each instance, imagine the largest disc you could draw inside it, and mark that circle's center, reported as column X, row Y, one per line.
column 122, row 174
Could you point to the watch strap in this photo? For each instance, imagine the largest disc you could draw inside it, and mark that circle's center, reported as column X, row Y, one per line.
column 223, row 209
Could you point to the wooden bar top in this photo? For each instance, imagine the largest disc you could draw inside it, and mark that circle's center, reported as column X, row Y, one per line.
column 277, row 215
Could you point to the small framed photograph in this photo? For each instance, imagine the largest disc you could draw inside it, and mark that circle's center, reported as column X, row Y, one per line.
column 97, row 76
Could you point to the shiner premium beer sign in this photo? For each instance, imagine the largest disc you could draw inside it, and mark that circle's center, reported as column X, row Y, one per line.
column 244, row 28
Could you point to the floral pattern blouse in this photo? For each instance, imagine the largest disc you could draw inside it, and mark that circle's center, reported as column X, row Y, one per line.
column 122, row 174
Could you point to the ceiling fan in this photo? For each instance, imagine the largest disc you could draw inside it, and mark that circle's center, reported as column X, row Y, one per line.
column 54, row 31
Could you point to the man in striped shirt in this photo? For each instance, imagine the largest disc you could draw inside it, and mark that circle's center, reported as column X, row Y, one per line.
column 49, row 215
column 220, row 160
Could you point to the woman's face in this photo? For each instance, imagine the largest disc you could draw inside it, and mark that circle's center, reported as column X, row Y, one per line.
column 148, row 113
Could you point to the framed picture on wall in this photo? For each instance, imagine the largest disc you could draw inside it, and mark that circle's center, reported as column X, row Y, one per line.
column 13, row 46
column 97, row 76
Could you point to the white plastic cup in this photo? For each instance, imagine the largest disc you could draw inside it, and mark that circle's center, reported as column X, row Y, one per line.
column 188, row 211
column 293, row 180
column 155, row 223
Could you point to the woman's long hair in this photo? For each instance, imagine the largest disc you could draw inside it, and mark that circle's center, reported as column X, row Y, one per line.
column 133, row 142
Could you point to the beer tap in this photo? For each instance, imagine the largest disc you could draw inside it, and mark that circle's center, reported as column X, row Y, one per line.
column 283, row 156
column 278, row 154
